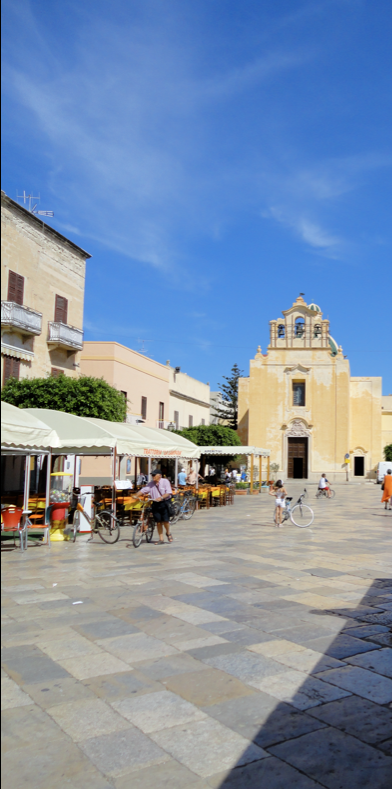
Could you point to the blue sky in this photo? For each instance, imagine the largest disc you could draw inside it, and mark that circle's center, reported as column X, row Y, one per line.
column 216, row 158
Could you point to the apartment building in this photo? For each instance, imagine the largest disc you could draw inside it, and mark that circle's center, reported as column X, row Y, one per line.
column 189, row 401
column 42, row 297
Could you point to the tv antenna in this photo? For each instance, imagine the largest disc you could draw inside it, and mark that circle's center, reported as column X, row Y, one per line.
column 33, row 207
column 141, row 349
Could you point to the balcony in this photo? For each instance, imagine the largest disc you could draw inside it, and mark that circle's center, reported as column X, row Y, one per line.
column 23, row 319
column 165, row 425
column 61, row 335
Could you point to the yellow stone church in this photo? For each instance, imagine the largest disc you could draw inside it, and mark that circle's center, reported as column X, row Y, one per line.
column 301, row 403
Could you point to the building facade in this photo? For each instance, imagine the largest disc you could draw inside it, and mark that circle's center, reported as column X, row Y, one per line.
column 301, row 403
column 42, row 297
column 189, row 401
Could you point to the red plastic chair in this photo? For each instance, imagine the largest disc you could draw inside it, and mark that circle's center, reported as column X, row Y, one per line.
column 11, row 517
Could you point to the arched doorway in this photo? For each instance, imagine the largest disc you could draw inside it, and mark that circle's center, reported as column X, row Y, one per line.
column 297, row 450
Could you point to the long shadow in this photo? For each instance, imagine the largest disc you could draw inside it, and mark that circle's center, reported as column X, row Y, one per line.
column 333, row 729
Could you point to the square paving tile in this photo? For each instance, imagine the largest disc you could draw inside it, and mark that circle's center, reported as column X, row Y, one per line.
column 262, row 719
column 298, row 689
column 357, row 716
column 269, row 773
column 32, row 667
column 57, row 691
column 225, row 648
column 166, row 775
column 108, row 628
column 68, row 647
column 123, row 752
column 156, row 711
column 94, row 665
column 83, row 720
column 58, row 763
column 360, row 681
column 246, row 666
column 308, row 660
column 136, row 647
column 340, row 646
column 181, row 663
column 18, row 724
column 379, row 661
column 206, row 747
column 337, row 760
column 204, row 688
column 12, row 695
column 120, row 686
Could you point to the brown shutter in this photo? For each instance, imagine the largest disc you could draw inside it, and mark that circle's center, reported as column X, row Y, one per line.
column 11, row 368
column 15, row 287
column 61, row 310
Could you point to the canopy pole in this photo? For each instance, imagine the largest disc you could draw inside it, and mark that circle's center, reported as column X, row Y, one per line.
column 197, row 475
column 47, row 487
column 251, row 474
column 114, row 480
column 149, row 469
column 26, row 483
column 176, row 473
column 268, row 468
column 260, row 466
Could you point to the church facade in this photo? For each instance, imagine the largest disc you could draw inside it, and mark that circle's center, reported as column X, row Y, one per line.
column 301, row 403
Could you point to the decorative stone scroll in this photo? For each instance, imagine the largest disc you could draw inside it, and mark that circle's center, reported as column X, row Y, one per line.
column 297, row 429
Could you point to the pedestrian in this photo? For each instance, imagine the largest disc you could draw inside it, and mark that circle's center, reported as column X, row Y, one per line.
column 387, row 489
column 192, row 477
column 243, row 476
column 159, row 490
column 279, row 491
column 182, row 478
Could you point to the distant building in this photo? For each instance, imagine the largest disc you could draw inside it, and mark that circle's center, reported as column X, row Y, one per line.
column 301, row 403
column 42, row 297
column 189, row 400
column 217, row 402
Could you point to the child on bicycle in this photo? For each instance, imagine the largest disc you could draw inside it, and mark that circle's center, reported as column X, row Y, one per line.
column 279, row 491
column 324, row 485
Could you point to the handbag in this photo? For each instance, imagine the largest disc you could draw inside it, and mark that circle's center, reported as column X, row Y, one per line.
column 169, row 505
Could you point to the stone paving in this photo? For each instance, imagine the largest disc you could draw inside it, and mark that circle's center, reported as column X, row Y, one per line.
column 241, row 655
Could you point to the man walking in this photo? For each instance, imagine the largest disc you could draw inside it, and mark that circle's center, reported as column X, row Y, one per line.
column 159, row 490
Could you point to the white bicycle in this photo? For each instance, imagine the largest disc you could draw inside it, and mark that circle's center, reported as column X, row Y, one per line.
column 301, row 514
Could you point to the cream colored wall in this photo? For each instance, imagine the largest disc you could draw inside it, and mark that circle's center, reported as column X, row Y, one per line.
column 129, row 372
column 365, row 420
column 189, row 397
column 243, row 410
column 386, row 421
column 50, row 266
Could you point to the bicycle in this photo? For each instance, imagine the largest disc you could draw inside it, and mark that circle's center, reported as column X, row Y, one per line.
column 184, row 510
column 300, row 515
column 103, row 522
column 145, row 526
column 323, row 493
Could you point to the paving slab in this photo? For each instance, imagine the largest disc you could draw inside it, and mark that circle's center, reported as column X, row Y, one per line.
column 82, row 720
column 357, row 716
column 156, row 711
column 360, row 681
column 207, row 687
column 379, row 661
column 123, row 752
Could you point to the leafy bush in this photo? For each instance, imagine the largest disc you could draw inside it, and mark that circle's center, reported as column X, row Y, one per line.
column 84, row 396
column 211, row 436
column 388, row 452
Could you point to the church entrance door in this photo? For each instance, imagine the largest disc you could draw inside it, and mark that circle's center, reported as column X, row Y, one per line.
column 297, row 465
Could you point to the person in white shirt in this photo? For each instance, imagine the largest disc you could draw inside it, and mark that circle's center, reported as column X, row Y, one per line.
column 324, row 484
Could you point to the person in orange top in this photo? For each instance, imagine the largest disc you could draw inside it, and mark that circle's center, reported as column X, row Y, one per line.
column 387, row 489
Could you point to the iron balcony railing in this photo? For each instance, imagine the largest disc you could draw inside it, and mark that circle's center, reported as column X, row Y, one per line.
column 22, row 318
column 65, row 336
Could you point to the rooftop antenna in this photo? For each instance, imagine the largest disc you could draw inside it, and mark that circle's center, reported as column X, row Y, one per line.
column 142, row 349
column 32, row 208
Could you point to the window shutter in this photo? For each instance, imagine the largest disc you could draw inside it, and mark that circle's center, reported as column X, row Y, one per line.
column 15, row 287
column 61, row 310
column 56, row 371
column 11, row 368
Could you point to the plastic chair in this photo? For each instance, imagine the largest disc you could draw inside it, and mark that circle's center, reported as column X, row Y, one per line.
column 34, row 527
column 11, row 517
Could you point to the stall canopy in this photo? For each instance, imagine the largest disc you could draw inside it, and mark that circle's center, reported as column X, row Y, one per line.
column 256, row 451
column 22, row 430
column 88, row 436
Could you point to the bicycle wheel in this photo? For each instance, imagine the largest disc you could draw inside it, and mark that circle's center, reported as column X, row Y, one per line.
column 76, row 524
column 137, row 534
column 177, row 512
column 332, row 493
column 107, row 527
column 189, row 509
column 302, row 516
column 150, row 530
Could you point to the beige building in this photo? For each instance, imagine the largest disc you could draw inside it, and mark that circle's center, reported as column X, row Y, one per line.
column 386, row 420
column 301, row 403
column 189, row 400
column 42, row 296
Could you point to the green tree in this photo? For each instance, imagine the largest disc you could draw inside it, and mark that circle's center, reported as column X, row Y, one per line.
column 211, row 436
column 84, row 396
column 388, row 452
column 229, row 390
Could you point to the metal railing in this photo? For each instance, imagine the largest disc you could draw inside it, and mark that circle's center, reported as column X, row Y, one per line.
column 64, row 335
column 17, row 316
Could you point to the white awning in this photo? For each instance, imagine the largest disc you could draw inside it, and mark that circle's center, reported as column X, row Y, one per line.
column 258, row 451
column 22, row 430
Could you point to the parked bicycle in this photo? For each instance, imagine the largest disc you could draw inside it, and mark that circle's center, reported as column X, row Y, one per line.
column 323, row 493
column 145, row 526
column 183, row 509
column 103, row 521
column 300, row 515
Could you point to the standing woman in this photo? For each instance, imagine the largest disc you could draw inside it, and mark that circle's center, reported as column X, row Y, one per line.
column 279, row 491
column 387, row 489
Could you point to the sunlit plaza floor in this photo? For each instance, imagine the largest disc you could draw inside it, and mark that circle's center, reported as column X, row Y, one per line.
column 240, row 655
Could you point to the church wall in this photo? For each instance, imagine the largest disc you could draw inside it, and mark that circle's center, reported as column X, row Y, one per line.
column 243, row 410
column 365, row 407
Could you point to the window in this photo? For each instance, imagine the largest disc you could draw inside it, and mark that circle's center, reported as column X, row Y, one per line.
column 144, row 407
column 11, row 368
column 161, row 411
column 298, row 392
column 125, row 395
column 281, row 330
column 15, row 287
column 177, row 419
column 203, row 421
column 190, row 421
column 56, row 371
column 61, row 310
